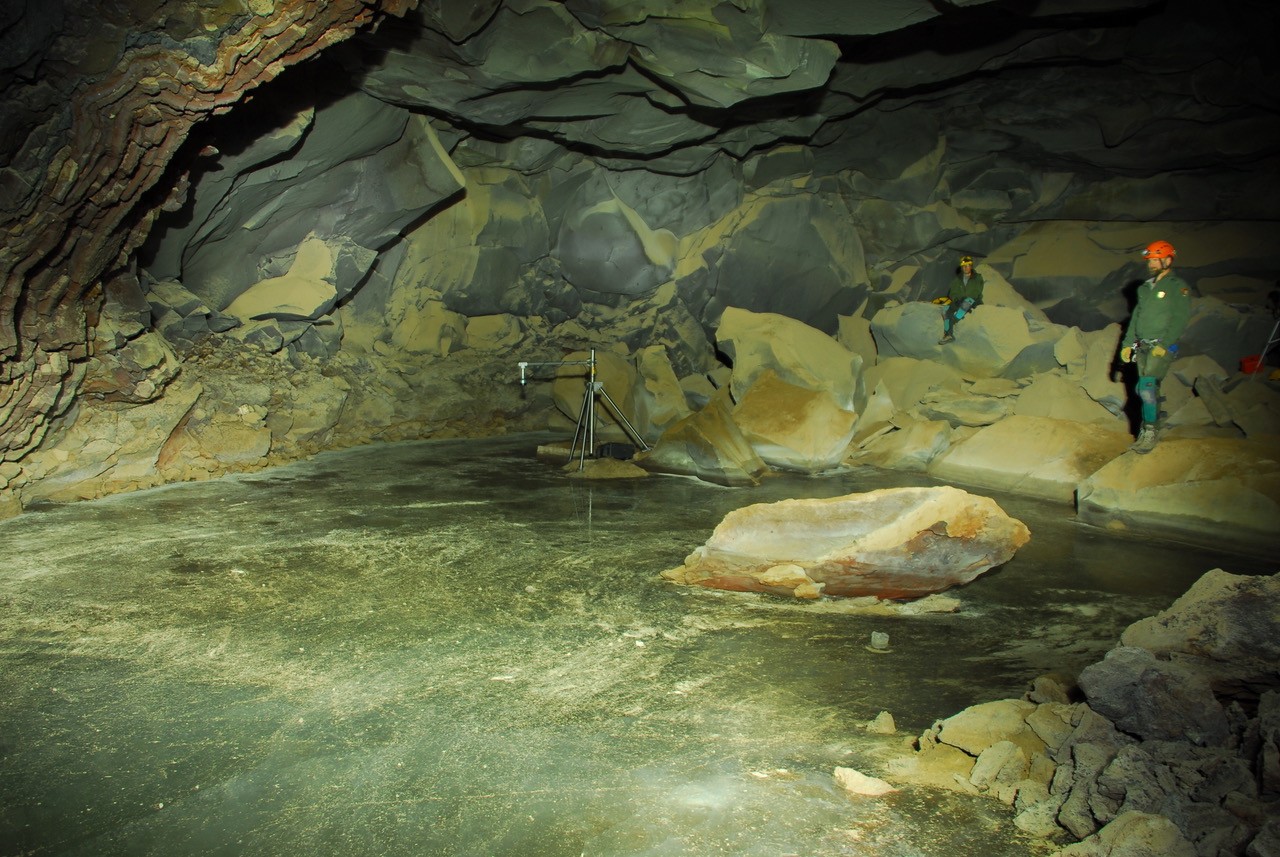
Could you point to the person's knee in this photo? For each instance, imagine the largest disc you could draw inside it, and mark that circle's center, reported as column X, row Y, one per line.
column 1149, row 393
column 1148, row 390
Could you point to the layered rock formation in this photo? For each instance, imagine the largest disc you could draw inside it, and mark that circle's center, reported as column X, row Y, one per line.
column 399, row 217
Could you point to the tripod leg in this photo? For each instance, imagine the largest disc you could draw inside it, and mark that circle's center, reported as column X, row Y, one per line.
column 583, row 430
column 625, row 422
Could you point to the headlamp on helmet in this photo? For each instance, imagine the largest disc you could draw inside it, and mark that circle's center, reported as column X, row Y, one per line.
column 966, row 260
column 1159, row 250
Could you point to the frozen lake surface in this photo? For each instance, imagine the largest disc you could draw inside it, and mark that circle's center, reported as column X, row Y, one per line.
column 451, row 648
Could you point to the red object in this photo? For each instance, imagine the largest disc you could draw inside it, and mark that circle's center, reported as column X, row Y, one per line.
column 1252, row 364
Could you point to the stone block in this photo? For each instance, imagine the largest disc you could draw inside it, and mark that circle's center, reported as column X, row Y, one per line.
column 793, row 428
column 1201, row 489
column 1155, row 700
column 891, row 543
column 1037, row 456
column 797, row 353
column 709, row 445
column 911, row 445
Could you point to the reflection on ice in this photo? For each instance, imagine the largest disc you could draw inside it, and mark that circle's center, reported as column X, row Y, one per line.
column 450, row 648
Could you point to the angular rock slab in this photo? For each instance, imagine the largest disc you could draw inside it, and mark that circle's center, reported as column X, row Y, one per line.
column 709, row 445
column 891, row 543
column 1203, row 490
column 793, row 428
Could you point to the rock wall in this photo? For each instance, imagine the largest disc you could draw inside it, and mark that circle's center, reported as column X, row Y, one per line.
column 525, row 178
column 96, row 106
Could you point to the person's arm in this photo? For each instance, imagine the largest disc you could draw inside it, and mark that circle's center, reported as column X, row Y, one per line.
column 1180, row 314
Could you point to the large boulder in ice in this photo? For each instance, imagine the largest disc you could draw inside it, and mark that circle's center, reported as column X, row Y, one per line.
column 891, row 543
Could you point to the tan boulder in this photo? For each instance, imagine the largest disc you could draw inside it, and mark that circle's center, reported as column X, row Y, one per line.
column 858, row 783
column 910, row 446
column 697, row 390
column 1039, row 456
column 791, row 427
column 499, row 332
column 998, row 291
column 908, row 330
column 112, row 447
column 986, row 341
column 1133, row 834
column 981, row 726
column 1100, row 348
column 230, row 437
column 938, row 766
column 709, row 445
column 963, row 409
column 1226, row 626
column 799, row 354
column 854, row 333
column 427, row 327
column 908, row 380
column 1189, row 369
column 1062, row 398
column 1202, row 488
column 1255, row 409
column 613, row 371
column 660, row 399
column 305, row 291
column 891, row 543
column 875, row 417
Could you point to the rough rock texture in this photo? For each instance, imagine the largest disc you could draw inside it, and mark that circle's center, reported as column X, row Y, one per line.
column 86, row 149
column 1172, row 751
column 707, row 444
column 892, row 543
column 529, row 178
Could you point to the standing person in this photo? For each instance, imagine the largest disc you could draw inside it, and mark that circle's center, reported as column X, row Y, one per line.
column 965, row 294
column 1151, row 339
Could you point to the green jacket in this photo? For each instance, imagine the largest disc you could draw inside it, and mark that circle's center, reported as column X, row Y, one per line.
column 960, row 289
column 1162, row 313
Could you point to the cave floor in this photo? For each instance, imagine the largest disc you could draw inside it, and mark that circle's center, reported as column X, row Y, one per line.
column 451, row 648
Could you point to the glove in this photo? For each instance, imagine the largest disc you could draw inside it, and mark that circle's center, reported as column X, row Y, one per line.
column 1126, row 354
column 943, row 301
column 1159, row 350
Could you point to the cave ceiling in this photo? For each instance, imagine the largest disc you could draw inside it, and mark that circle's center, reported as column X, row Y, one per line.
column 221, row 138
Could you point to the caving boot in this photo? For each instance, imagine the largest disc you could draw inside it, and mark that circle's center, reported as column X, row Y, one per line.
column 1147, row 439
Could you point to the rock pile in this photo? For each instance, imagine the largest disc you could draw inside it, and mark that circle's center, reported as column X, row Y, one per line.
column 1173, row 749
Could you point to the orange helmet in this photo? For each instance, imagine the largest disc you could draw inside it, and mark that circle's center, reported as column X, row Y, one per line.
column 1159, row 250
